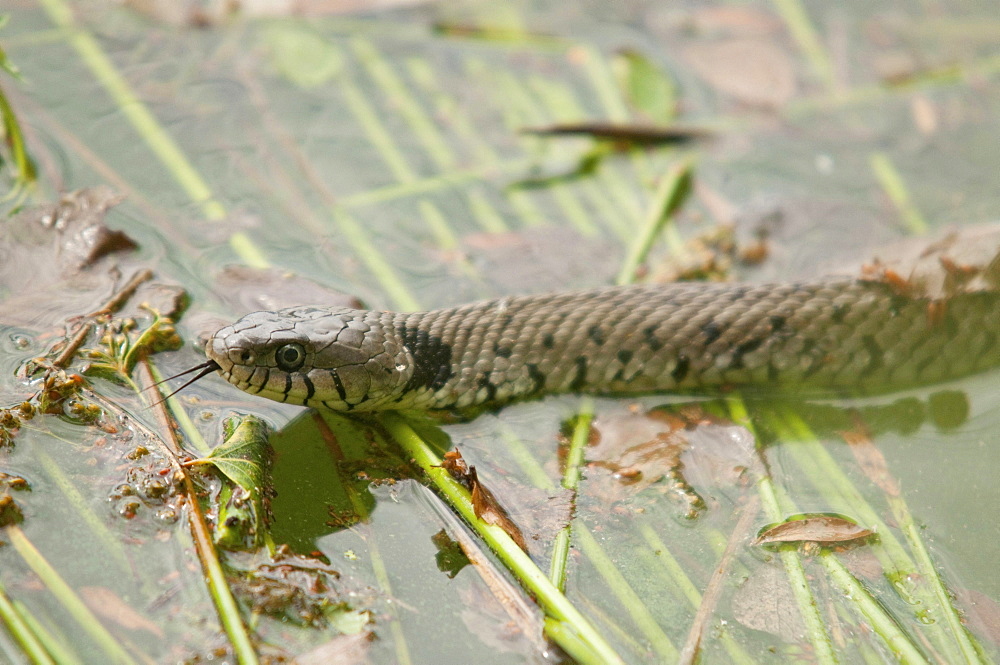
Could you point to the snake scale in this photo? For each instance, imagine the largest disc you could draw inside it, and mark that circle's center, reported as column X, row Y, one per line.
column 835, row 334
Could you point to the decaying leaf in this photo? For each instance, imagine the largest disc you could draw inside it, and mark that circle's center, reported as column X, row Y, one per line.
column 244, row 458
column 484, row 503
column 109, row 605
column 956, row 262
column 246, row 289
column 813, row 529
column 341, row 650
column 766, row 602
column 870, row 459
column 755, row 72
column 982, row 613
column 682, row 452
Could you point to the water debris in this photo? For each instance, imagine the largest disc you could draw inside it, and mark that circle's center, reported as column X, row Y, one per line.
column 820, row 529
column 624, row 134
column 484, row 503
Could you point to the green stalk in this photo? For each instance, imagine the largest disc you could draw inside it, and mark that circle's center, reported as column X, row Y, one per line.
column 791, row 560
column 571, row 478
column 22, row 632
column 670, row 195
column 862, row 601
column 67, row 597
column 556, row 605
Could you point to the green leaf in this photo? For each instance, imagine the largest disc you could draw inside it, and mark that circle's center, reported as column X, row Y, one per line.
column 647, row 87
column 244, row 459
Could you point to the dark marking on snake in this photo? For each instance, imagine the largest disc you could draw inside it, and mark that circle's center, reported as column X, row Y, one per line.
column 777, row 322
column 652, row 341
column 876, row 356
column 739, row 293
column 712, row 332
column 580, row 378
column 501, row 351
column 288, row 386
column 680, row 370
column 310, row 388
column 431, row 359
column 597, row 335
column 267, row 375
column 491, row 389
column 548, row 340
column 536, row 376
column 743, row 349
column 339, row 385
column 839, row 313
column 624, row 356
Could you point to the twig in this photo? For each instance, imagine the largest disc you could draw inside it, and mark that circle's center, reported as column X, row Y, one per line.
column 113, row 304
column 709, row 600
column 225, row 604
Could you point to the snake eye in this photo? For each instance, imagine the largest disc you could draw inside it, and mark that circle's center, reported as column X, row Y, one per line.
column 290, row 356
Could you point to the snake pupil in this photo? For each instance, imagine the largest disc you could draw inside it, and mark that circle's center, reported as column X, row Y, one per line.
column 290, row 357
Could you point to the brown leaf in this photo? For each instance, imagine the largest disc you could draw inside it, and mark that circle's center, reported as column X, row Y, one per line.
column 484, row 503
column 766, row 602
column 955, row 262
column 871, row 460
column 246, row 289
column 539, row 259
column 981, row 612
column 752, row 71
column 816, row 529
column 109, row 605
column 341, row 650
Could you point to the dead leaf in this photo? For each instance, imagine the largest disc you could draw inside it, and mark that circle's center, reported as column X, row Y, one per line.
column 766, row 602
column 109, row 605
column 539, row 259
column 870, row 459
column 683, row 451
column 814, row 529
column 484, row 504
column 246, row 289
column 954, row 262
column 754, row 72
column 341, row 650
column 981, row 612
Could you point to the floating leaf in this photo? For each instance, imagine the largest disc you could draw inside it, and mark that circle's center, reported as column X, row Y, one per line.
column 648, row 87
column 814, row 529
column 244, row 458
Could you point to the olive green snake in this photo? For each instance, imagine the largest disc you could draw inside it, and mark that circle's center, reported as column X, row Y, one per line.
column 833, row 334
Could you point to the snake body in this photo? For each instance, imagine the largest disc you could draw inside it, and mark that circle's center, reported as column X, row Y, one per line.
column 832, row 335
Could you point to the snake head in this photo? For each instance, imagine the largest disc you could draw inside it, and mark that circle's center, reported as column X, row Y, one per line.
column 335, row 358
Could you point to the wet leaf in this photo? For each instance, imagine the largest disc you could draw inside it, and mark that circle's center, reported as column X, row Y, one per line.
column 246, row 289
column 244, row 458
column 540, row 259
column 648, row 88
column 10, row 512
column 622, row 133
column 871, row 460
column 450, row 558
column 766, row 602
column 953, row 263
column 109, row 605
column 982, row 613
column 751, row 71
column 349, row 649
column 303, row 56
column 813, row 529
column 484, row 504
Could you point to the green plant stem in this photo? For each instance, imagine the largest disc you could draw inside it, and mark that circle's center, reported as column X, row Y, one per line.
column 67, row 597
column 556, row 605
column 571, row 478
column 21, row 631
column 670, row 195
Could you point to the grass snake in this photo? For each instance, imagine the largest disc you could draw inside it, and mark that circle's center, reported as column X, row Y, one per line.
column 831, row 335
